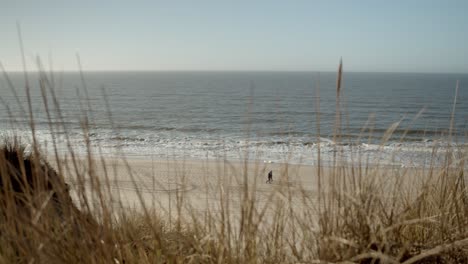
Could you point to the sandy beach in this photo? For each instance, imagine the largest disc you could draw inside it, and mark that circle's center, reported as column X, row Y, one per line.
column 195, row 185
column 204, row 185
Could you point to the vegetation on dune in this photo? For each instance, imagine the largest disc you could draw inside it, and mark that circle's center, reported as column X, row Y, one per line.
column 362, row 213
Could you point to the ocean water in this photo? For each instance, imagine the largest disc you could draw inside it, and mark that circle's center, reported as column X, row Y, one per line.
column 271, row 116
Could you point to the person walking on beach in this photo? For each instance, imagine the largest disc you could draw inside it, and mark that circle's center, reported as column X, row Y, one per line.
column 270, row 177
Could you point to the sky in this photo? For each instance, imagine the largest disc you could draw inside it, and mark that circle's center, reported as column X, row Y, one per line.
column 203, row 35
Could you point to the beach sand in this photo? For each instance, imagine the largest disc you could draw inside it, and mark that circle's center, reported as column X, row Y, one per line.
column 204, row 185
column 193, row 185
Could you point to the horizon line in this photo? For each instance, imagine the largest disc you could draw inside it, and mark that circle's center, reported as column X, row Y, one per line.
column 220, row 71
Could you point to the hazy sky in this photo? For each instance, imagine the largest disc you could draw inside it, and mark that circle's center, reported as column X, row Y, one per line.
column 396, row 36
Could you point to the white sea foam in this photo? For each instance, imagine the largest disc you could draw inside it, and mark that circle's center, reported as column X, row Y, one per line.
column 298, row 150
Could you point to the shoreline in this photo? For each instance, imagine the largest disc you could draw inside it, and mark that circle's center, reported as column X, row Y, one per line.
column 340, row 162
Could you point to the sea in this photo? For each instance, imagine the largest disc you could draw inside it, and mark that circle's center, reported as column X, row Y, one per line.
column 402, row 119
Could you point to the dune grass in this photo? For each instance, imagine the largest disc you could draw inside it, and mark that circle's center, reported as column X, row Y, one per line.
column 361, row 213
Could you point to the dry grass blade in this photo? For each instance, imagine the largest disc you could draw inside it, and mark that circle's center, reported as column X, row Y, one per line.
column 437, row 250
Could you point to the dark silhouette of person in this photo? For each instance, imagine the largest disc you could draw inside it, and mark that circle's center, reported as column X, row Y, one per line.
column 270, row 177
